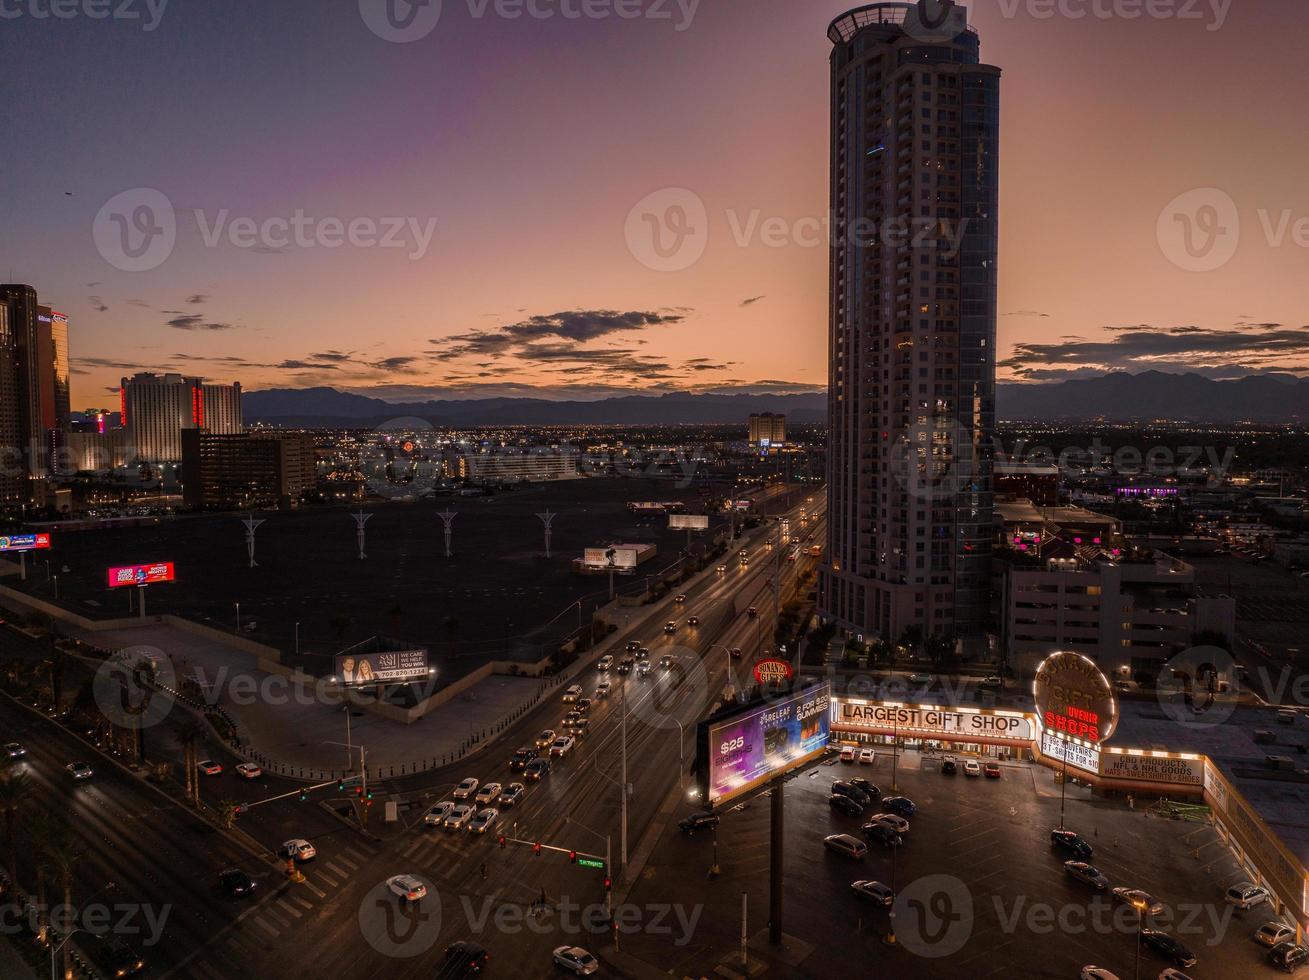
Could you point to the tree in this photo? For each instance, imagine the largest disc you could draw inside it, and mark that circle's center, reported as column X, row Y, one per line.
column 15, row 791
column 63, row 853
column 227, row 813
column 940, row 649
column 883, row 651
column 192, row 732
column 911, row 638
column 40, row 835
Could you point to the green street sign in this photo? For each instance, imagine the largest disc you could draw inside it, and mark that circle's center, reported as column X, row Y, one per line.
column 591, row 863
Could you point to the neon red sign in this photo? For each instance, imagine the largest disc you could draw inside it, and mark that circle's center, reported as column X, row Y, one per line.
column 772, row 671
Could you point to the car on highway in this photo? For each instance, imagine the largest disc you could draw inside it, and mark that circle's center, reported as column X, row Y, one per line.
column 511, row 795
column 901, row 806
column 235, row 883
column 752, row 612
column 920, row 678
column 643, row 668
column 880, row 833
column 1288, row 956
column 15, row 750
column 437, row 812
column 1274, row 933
column 697, row 821
column 1143, row 902
column 602, row 689
column 406, row 887
column 578, row 727
column 466, row 788
column 670, row 626
column 1071, row 843
column 841, row 787
column 464, row 959
column 572, row 693
column 604, row 663
column 693, row 621
column 1246, row 895
column 845, row 805
column 846, row 844
column 735, row 653
column 544, row 738
column 867, row 757
column 874, row 890
column 722, row 569
column 847, row 753
column 633, row 646
column 626, row 664
column 537, row 770
column 487, row 794
column 583, row 705
column 561, row 746
column 1087, row 874
column 992, row 770
column 1169, row 947
column 458, row 818
column 949, row 766
column 680, row 597
column 248, row 770
column 575, row 960
column 209, row 767
column 665, row 662
column 869, row 790
column 485, row 819
column 80, row 771
column 972, row 768
column 298, row 849
column 897, row 823
column 119, row 959
column 569, row 718
column 521, row 758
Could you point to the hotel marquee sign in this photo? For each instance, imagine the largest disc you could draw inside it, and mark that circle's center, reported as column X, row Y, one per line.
column 945, row 723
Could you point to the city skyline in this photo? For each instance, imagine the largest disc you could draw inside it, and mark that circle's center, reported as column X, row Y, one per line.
column 528, row 283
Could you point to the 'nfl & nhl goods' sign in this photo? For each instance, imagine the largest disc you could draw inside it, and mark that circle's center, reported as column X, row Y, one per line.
column 1183, row 772
column 946, row 723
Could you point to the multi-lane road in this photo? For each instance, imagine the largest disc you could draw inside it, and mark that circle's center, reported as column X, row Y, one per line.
column 340, row 921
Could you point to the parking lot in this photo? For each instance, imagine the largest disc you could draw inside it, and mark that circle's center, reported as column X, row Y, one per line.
column 980, row 892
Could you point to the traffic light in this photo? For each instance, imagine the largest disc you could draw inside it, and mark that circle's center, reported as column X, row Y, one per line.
column 369, row 794
column 359, row 791
column 340, row 785
column 608, row 883
column 501, row 839
column 572, row 857
column 536, row 848
column 304, row 795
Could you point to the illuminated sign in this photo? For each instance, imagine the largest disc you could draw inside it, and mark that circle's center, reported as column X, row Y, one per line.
column 1076, row 754
column 392, row 666
column 772, row 671
column 1155, row 769
column 944, row 723
column 1074, row 698
column 688, row 522
column 141, row 574
column 24, row 542
column 745, row 751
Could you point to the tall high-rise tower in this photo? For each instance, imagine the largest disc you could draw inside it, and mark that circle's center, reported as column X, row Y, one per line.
column 911, row 402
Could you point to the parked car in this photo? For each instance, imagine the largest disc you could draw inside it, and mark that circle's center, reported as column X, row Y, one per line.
column 1274, row 933
column 948, row 766
column 841, row 787
column 884, row 834
column 1246, row 895
column 875, row 890
column 1169, row 947
column 846, row 844
column 897, row 823
column 992, row 770
column 845, row 805
column 1143, row 902
column 1071, row 843
column 972, row 768
column 847, row 753
column 697, row 821
column 866, row 757
column 1288, row 956
column 864, row 786
column 1087, row 874
column 1097, row 973
column 901, row 806
column 575, row 960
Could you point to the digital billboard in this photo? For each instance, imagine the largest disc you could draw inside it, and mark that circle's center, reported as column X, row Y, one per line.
column 24, row 542
column 1073, row 698
column 141, row 574
column 741, row 752
column 688, row 522
column 389, row 667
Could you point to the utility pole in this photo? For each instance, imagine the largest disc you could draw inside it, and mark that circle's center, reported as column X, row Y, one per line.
column 624, row 782
column 251, row 525
column 360, row 520
column 547, row 519
column 447, row 518
column 775, row 869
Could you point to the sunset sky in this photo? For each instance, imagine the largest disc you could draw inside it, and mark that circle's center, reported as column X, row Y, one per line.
column 529, row 142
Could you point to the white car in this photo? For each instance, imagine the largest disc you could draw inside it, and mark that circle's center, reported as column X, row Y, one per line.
column 484, row 821
column 847, row 753
column 545, row 738
column 866, row 757
column 466, row 789
column 436, row 815
column 562, row 746
column 1271, row 933
column 576, row 960
column 248, row 770
column 972, row 768
column 878, row 892
column 573, row 693
column 487, row 793
column 1097, row 973
column 604, row 663
column 602, row 689
column 459, row 817
column 407, row 887
column 899, row 824
column 209, row 767
column 1246, row 895
column 299, row 849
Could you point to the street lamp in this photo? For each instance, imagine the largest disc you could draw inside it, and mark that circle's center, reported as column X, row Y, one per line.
column 238, row 617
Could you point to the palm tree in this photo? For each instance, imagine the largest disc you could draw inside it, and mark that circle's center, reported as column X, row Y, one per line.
column 63, row 853
column 40, row 834
column 15, row 790
column 191, row 733
column 227, row 813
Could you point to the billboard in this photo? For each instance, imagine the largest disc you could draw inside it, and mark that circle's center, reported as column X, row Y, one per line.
column 1073, row 697
column 688, row 522
column 742, row 752
column 1153, row 768
column 141, row 574
column 390, row 667
column 24, row 542
column 933, row 721
column 1076, row 754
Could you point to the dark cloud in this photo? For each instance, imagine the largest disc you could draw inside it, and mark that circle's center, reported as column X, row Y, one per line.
column 306, row 366
column 1026, row 313
column 332, row 356
column 751, row 300
column 196, row 299
column 575, row 326
column 97, row 304
column 193, row 321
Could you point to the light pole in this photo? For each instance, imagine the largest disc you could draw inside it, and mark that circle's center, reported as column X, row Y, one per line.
column 1063, row 784
column 238, row 618
column 297, row 639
